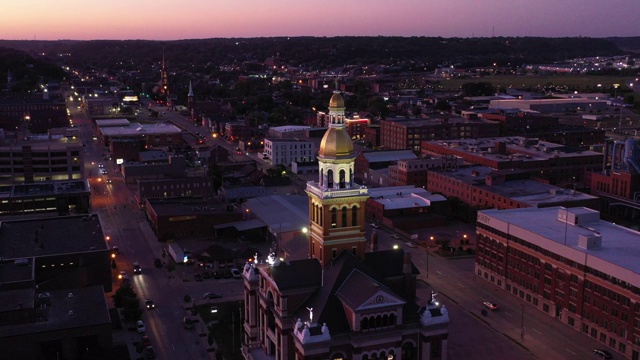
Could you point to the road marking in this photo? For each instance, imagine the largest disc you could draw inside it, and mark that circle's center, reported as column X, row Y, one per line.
column 570, row 351
column 536, row 331
column 173, row 347
column 509, row 314
column 460, row 285
column 438, row 272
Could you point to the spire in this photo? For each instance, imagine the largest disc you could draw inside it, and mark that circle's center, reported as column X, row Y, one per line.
column 190, row 90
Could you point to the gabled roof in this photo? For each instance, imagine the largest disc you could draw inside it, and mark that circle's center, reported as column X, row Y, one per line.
column 296, row 274
column 360, row 291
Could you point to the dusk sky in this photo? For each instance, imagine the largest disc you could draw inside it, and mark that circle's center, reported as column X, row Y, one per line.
column 198, row 19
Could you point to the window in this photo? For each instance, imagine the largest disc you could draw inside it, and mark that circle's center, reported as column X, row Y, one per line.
column 334, row 217
column 354, row 216
column 344, row 216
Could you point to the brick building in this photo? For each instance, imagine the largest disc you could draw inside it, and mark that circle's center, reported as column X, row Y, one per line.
column 415, row 171
column 552, row 163
column 397, row 134
column 484, row 188
column 569, row 265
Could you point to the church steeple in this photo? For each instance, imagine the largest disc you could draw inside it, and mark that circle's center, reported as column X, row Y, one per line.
column 190, row 98
column 336, row 202
column 164, row 80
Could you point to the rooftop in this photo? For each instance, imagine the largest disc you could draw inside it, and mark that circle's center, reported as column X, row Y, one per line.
column 526, row 191
column 518, row 148
column 65, row 309
column 388, row 155
column 140, row 129
column 545, row 227
column 283, row 213
column 50, row 236
column 402, row 197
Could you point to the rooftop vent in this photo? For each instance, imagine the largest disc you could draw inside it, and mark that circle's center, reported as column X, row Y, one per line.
column 70, row 295
column 71, row 313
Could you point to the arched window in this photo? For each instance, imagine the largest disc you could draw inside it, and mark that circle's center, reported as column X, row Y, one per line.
column 378, row 321
column 334, row 217
column 321, row 177
column 344, row 216
column 354, row 216
column 351, row 176
column 330, row 179
column 372, row 322
column 392, row 319
column 364, row 324
column 342, row 179
column 385, row 320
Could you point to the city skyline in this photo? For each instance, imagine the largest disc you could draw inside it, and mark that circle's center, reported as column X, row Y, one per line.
column 199, row 19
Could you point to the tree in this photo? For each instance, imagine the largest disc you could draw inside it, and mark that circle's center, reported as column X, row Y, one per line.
column 122, row 294
column 131, row 310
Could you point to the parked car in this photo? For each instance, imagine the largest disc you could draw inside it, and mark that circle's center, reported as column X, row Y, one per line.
column 395, row 236
column 216, row 275
column 140, row 326
column 375, row 226
column 211, row 295
column 490, row 305
column 146, row 341
column 149, row 353
column 236, row 273
column 602, row 353
column 187, row 323
column 410, row 244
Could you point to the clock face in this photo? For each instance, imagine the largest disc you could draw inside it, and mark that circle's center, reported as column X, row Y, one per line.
column 379, row 299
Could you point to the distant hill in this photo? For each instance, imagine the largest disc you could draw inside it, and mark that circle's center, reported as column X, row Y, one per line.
column 26, row 71
column 630, row 44
column 323, row 52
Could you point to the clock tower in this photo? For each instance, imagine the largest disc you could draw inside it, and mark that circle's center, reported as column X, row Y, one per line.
column 336, row 203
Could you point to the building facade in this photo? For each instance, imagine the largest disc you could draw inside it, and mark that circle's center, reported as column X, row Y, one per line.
column 569, row 265
column 415, row 171
column 403, row 133
column 339, row 302
column 55, row 157
column 287, row 151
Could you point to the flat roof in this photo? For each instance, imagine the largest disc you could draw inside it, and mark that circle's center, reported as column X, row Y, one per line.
column 140, row 129
column 388, row 155
column 526, row 191
column 184, row 207
column 290, row 128
column 431, row 122
column 618, row 254
column 12, row 272
column 55, row 235
column 403, row 197
column 86, row 306
column 518, row 148
column 112, row 122
column 282, row 213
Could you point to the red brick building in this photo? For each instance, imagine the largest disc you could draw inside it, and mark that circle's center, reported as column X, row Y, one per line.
column 548, row 162
column 415, row 171
column 408, row 133
column 484, row 188
column 569, row 265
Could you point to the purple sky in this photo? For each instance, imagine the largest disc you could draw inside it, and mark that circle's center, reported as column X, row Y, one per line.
column 196, row 19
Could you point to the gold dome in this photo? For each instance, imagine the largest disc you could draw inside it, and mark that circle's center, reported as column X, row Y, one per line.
column 336, row 101
column 336, row 142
